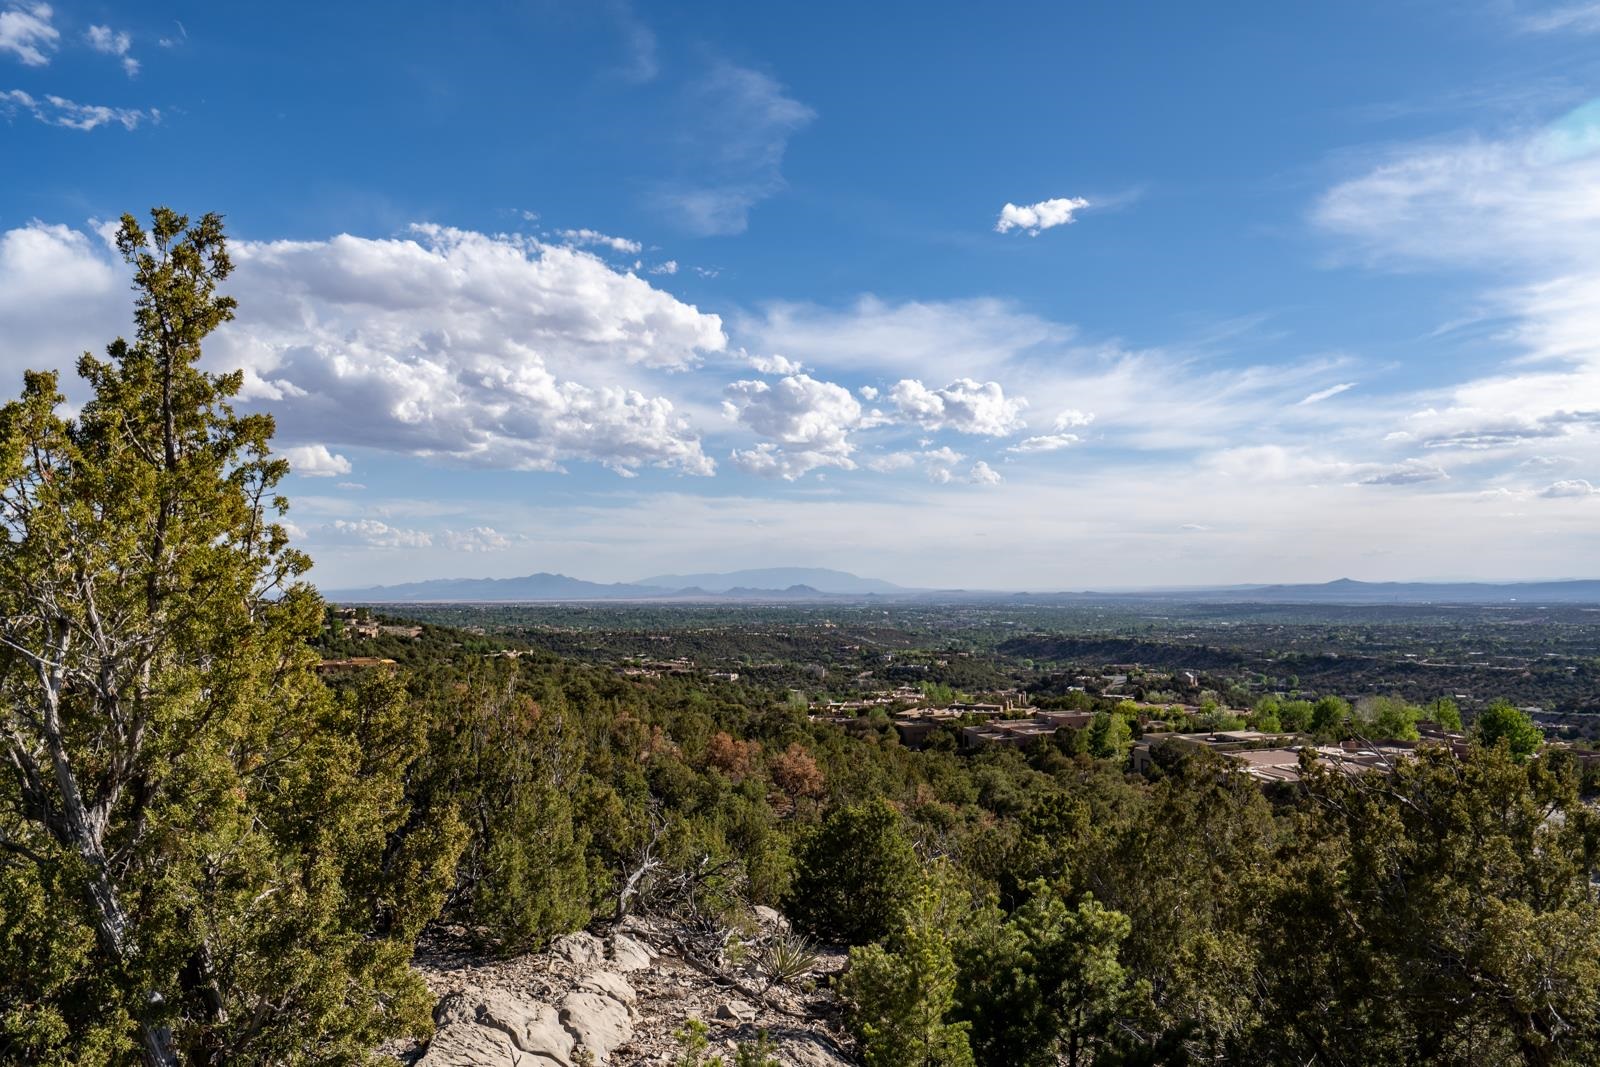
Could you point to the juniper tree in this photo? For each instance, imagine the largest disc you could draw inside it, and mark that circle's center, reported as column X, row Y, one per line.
column 198, row 849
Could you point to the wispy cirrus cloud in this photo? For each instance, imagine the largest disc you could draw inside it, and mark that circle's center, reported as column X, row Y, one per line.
column 27, row 32
column 1325, row 394
column 117, row 43
column 59, row 111
column 594, row 238
column 1523, row 211
column 737, row 122
column 642, row 62
column 1574, row 18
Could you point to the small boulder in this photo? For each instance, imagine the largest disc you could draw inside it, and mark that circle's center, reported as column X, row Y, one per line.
column 610, row 985
column 600, row 1023
column 736, row 1011
column 810, row 1050
column 628, row 954
column 533, row 1026
column 466, row 1044
column 581, row 948
column 457, row 1007
column 771, row 919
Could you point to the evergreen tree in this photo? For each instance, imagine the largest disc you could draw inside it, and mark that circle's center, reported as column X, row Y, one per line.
column 1047, row 985
column 853, row 874
column 196, row 832
column 899, row 993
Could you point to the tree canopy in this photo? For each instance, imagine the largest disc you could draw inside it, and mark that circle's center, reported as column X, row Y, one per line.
column 198, row 835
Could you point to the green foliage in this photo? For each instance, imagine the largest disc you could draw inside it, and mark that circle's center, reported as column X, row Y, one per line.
column 758, row 1053
column 1295, row 715
column 201, row 841
column 1446, row 713
column 1329, row 715
column 1109, row 736
column 1387, row 718
column 786, row 959
column 693, row 1041
column 1500, row 721
column 1046, row 985
column 1455, row 919
column 1267, row 721
column 512, row 766
column 853, row 873
column 899, row 994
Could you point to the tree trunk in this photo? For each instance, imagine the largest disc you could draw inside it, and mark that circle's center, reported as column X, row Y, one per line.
column 111, row 924
column 111, row 921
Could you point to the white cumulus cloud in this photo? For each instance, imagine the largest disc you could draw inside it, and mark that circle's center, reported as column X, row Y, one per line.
column 493, row 351
column 965, row 405
column 476, row 539
column 1570, row 487
column 983, row 474
column 1047, row 443
column 1034, row 219
column 776, row 364
column 807, row 422
column 315, row 461
column 373, row 533
column 464, row 346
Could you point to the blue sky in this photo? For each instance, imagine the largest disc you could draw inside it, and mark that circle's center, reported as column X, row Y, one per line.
column 1041, row 296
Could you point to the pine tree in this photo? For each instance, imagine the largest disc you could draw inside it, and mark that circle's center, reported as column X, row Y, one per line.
column 203, row 838
column 899, row 993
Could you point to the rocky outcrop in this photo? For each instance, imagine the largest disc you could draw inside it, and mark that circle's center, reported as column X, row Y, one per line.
column 504, row 1030
column 615, row 1002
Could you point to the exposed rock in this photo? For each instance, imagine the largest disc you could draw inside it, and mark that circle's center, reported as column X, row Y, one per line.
column 600, row 1023
column 610, row 985
column 771, row 920
column 627, row 954
column 467, row 1044
column 810, row 1050
column 533, row 1026
column 582, row 948
column 621, row 1006
column 457, row 1007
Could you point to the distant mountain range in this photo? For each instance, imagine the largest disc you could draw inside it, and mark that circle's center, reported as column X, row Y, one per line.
column 776, row 583
column 818, row 579
column 468, row 590
column 816, row 583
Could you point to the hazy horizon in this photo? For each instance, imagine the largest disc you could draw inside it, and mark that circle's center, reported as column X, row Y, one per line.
column 936, row 586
